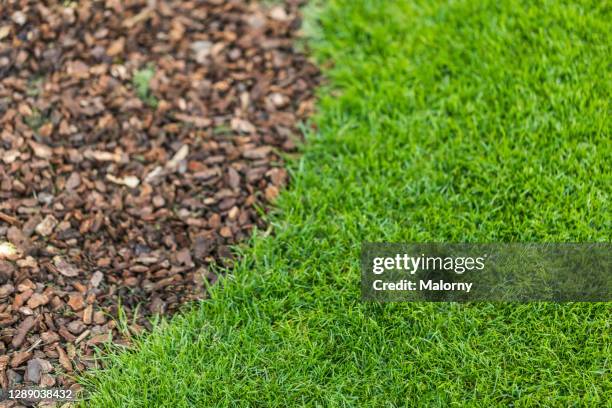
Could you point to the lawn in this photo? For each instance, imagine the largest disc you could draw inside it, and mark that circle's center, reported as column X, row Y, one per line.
column 441, row 121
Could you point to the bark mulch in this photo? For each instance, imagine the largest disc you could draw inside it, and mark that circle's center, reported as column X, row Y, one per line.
column 138, row 140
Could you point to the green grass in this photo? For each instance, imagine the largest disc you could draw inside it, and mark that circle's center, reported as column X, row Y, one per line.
column 142, row 85
column 442, row 121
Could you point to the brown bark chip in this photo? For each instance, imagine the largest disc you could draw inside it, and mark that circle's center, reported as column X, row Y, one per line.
column 37, row 299
column 22, row 330
column 20, row 357
column 137, row 144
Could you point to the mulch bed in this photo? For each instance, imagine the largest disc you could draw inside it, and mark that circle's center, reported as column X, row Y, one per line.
column 138, row 140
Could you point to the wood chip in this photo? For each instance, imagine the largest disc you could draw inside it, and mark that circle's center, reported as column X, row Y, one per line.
column 40, row 150
column 128, row 181
column 22, row 330
column 64, row 267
